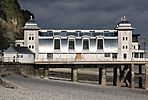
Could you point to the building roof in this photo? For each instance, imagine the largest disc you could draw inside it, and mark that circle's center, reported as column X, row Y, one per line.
column 22, row 50
column 31, row 24
column 31, row 21
column 124, row 21
column 124, row 24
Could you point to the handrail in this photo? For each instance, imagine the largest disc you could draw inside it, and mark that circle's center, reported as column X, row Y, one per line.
column 9, row 59
column 87, row 59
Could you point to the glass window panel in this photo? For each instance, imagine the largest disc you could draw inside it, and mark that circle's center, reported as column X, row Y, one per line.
column 107, row 54
column 71, row 44
column 100, row 44
column 85, row 44
column 57, row 44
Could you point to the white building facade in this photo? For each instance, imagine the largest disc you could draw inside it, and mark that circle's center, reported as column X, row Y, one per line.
column 18, row 54
column 48, row 44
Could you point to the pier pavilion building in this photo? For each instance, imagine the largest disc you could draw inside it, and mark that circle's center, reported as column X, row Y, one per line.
column 117, row 48
column 119, row 43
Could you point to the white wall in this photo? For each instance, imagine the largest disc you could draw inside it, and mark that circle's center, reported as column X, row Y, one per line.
column 64, row 45
column 26, row 58
column 10, row 57
column 19, row 42
column 110, row 45
column 125, row 43
column 43, row 56
column 35, row 42
column 79, row 46
column 135, row 44
column 22, row 58
column 93, row 46
column 46, row 45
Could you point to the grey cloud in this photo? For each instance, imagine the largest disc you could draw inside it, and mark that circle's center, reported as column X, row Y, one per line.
column 88, row 13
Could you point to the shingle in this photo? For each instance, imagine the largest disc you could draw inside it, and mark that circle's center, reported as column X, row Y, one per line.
column 11, row 49
column 23, row 50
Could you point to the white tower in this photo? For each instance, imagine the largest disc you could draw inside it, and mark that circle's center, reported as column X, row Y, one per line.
column 31, row 40
column 124, row 29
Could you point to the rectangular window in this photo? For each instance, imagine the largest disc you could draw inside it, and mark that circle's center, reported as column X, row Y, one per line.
column 107, row 54
column 49, row 55
column 114, row 55
column 71, row 44
column 32, row 38
column 125, row 55
column 126, row 47
column 29, row 38
column 21, row 56
column 85, row 44
column 100, row 44
column 32, row 47
column 141, row 55
column 136, row 55
column 126, row 38
column 123, row 47
column 56, row 43
column 29, row 46
column 18, row 45
column 123, row 38
column 18, row 56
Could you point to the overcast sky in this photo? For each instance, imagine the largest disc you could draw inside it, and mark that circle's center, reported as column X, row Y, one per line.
column 98, row 14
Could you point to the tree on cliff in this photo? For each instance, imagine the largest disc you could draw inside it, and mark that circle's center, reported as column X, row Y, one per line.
column 12, row 19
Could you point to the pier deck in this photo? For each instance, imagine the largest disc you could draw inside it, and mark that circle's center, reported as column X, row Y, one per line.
column 125, row 72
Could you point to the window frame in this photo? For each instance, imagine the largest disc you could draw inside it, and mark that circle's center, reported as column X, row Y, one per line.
column 69, row 40
column 29, row 38
column 98, row 44
column 107, row 55
column 59, row 44
column 88, row 44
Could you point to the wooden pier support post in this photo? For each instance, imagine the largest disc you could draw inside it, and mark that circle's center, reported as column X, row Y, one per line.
column 74, row 74
column 116, row 81
column 146, row 76
column 102, row 76
column 132, row 83
column 140, row 78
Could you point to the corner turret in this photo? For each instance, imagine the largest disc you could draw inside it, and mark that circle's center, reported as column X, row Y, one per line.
column 124, row 30
column 31, row 33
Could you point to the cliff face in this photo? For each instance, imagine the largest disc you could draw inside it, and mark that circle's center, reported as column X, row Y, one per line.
column 12, row 19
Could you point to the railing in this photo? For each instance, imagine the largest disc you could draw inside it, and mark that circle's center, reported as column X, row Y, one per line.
column 9, row 59
column 87, row 60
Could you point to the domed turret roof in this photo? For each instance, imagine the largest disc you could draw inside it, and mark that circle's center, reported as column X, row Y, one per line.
column 124, row 24
column 31, row 21
column 31, row 24
column 124, row 21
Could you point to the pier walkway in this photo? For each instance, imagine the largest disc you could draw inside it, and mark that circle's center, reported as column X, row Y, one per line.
column 125, row 72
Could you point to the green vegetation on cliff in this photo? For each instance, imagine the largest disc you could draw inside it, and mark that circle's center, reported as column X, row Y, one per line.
column 12, row 19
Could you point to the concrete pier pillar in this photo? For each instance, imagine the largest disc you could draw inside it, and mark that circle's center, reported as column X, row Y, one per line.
column 116, row 81
column 132, row 83
column 102, row 76
column 36, row 71
column 74, row 74
column 140, row 78
column 31, row 70
column 146, row 76
column 46, row 71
